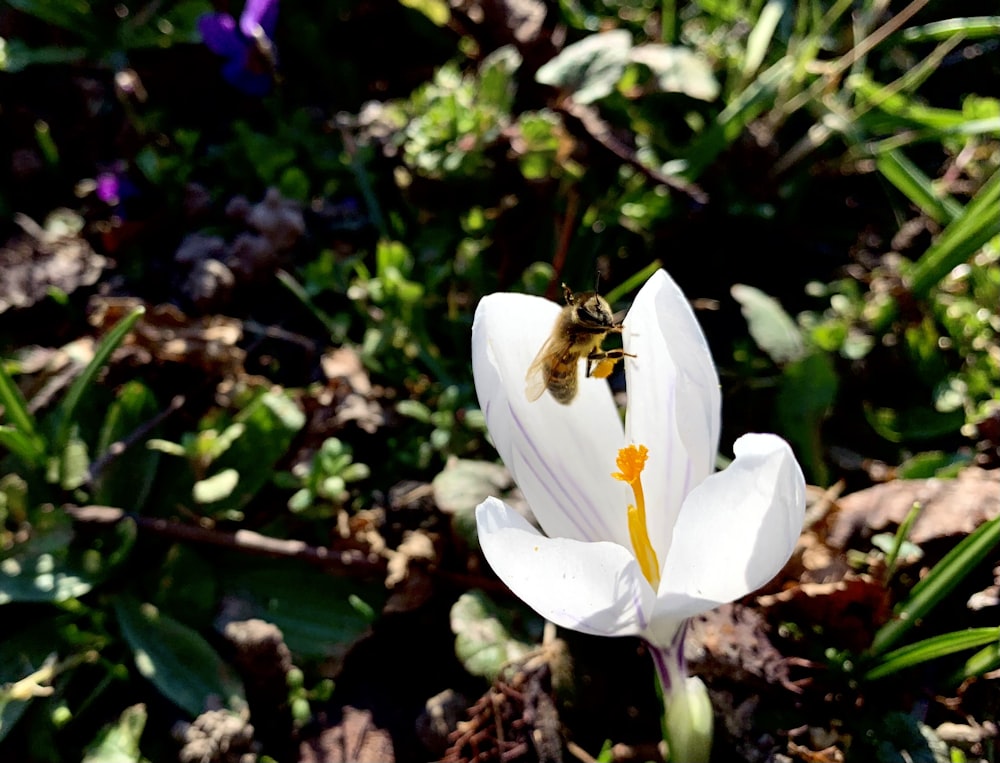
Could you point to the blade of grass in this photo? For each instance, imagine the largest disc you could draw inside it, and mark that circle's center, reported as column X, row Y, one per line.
column 298, row 291
column 972, row 27
column 759, row 39
column 917, row 187
column 978, row 223
column 932, row 649
column 901, row 535
column 742, row 109
column 938, row 583
column 633, row 282
column 15, row 409
column 69, row 403
column 982, row 662
column 22, row 446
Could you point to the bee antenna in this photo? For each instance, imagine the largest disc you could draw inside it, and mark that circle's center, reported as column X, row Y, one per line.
column 597, row 282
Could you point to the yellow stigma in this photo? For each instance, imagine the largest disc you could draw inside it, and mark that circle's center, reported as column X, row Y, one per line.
column 631, row 461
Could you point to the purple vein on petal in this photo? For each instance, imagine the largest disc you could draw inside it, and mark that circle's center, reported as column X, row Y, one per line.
column 640, row 612
column 594, row 528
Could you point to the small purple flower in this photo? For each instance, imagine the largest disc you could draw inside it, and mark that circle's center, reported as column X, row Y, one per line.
column 247, row 47
column 114, row 187
column 108, row 185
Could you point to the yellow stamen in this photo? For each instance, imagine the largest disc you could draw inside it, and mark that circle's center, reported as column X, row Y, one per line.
column 631, row 461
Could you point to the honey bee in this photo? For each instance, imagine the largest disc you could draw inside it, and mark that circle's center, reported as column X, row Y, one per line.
column 578, row 333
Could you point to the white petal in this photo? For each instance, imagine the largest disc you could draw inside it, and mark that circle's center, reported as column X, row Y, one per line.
column 673, row 400
column 739, row 527
column 561, row 456
column 669, row 613
column 594, row 588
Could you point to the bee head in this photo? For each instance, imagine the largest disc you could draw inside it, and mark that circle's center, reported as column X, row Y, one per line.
column 593, row 310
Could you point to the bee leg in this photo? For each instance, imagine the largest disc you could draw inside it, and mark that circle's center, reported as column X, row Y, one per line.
column 605, row 360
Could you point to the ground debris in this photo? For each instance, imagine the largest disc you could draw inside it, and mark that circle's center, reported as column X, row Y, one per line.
column 849, row 611
column 441, row 716
column 730, row 643
column 515, row 720
column 263, row 661
column 46, row 259
column 217, row 736
column 354, row 739
column 167, row 335
column 948, row 507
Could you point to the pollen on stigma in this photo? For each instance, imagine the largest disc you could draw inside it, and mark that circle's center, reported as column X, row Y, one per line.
column 631, row 461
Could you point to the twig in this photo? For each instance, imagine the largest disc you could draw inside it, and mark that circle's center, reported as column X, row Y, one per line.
column 600, row 131
column 117, row 448
column 565, row 237
column 246, row 541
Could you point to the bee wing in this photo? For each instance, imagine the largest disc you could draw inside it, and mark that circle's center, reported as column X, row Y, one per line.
column 537, row 377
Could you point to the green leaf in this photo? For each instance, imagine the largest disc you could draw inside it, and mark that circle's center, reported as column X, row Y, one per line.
column 436, row 10
column 218, row 487
column 414, row 409
column 771, row 327
column 176, row 659
column 934, row 463
column 24, row 440
column 464, row 484
column 74, row 464
column 806, row 394
column 294, row 184
column 932, row 649
column 913, row 423
column 678, row 70
column 591, row 68
column 314, row 611
column 128, row 478
column 119, row 742
column 938, row 583
column 67, row 407
column 16, row 56
column 483, row 640
column 270, row 422
column 51, row 566
column 38, row 569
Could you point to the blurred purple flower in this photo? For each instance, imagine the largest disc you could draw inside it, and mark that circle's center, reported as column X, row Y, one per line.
column 114, row 187
column 108, row 185
column 246, row 47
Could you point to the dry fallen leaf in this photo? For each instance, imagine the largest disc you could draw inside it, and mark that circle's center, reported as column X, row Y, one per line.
column 849, row 611
column 730, row 643
column 167, row 335
column 355, row 739
column 46, row 259
column 950, row 507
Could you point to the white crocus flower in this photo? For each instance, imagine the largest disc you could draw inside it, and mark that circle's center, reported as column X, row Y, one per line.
column 637, row 549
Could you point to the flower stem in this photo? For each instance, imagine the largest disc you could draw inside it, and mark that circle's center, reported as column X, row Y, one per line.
column 687, row 709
